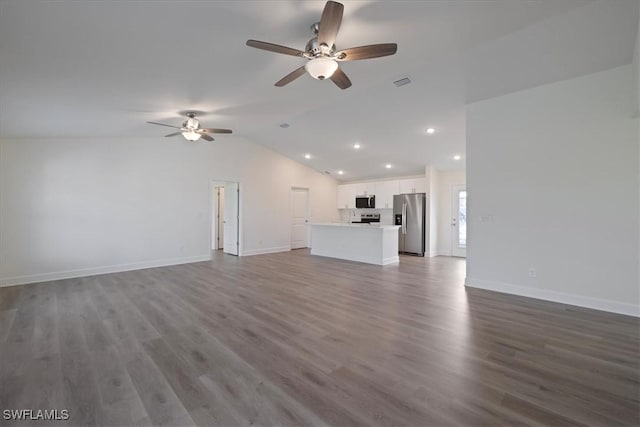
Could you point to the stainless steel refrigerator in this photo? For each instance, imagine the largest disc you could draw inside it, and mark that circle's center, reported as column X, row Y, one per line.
column 409, row 212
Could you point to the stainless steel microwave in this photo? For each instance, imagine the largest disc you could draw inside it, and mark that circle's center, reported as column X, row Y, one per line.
column 365, row 202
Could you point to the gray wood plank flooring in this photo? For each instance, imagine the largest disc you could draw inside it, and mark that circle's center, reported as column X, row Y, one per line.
column 290, row 339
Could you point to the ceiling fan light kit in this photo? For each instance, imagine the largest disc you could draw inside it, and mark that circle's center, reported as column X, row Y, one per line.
column 320, row 51
column 191, row 135
column 321, row 68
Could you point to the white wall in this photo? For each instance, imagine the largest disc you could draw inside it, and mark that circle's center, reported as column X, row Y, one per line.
column 77, row 207
column 553, row 184
column 636, row 74
column 636, row 69
column 447, row 180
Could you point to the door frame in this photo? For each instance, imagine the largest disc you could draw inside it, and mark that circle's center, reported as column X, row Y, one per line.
column 455, row 190
column 213, row 183
column 307, row 213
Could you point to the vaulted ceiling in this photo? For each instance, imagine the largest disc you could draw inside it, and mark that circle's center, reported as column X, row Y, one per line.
column 81, row 69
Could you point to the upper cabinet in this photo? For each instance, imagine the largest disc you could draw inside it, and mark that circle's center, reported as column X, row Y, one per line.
column 347, row 196
column 385, row 190
column 366, row 189
column 413, row 185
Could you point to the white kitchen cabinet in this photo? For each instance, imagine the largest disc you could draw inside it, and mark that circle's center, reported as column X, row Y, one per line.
column 385, row 190
column 413, row 185
column 346, row 196
column 366, row 189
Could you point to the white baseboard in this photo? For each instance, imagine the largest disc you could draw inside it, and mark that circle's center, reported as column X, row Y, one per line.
column 266, row 251
column 83, row 272
column 349, row 256
column 554, row 296
column 437, row 253
column 391, row 260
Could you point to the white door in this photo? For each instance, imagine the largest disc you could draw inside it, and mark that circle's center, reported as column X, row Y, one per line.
column 299, row 218
column 231, row 236
column 459, row 221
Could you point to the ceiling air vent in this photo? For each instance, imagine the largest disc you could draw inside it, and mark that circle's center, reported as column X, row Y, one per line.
column 402, row 82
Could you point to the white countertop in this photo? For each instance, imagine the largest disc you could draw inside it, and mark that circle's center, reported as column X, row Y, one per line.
column 344, row 224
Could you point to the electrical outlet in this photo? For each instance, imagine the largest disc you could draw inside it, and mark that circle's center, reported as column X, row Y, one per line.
column 533, row 273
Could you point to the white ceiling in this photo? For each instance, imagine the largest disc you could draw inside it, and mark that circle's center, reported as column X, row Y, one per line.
column 102, row 68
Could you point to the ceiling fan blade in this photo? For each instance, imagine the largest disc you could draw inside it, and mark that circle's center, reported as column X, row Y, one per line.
column 274, row 48
column 206, row 137
column 162, row 124
column 291, row 76
column 330, row 23
column 340, row 79
column 174, row 134
column 214, row 130
column 366, row 52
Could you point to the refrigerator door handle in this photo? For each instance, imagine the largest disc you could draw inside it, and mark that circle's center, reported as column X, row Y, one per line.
column 404, row 218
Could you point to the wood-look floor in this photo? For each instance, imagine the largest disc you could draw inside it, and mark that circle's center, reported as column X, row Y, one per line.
column 291, row 339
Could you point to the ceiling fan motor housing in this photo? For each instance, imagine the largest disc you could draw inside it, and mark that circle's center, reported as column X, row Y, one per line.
column 315, row 49
column 191, row 123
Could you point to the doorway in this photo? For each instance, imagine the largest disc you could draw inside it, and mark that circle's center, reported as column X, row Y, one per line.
column 459, row 221
column 225, row 218
column 217, row 226
column 299, row 218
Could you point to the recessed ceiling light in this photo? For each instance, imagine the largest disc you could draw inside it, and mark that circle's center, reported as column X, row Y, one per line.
column 307, row 156
column 356, row 146
column 431, row 131
column 456, row 157
column 340, row 172
column 388, row 166
column 284, row 125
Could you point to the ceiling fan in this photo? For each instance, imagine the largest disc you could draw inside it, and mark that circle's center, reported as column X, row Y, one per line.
column 321, row 50
column 191, row 129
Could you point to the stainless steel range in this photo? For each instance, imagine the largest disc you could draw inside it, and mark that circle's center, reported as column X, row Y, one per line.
column 367, row 219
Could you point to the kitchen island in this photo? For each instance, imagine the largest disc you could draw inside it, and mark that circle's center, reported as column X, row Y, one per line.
column 369, row 243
